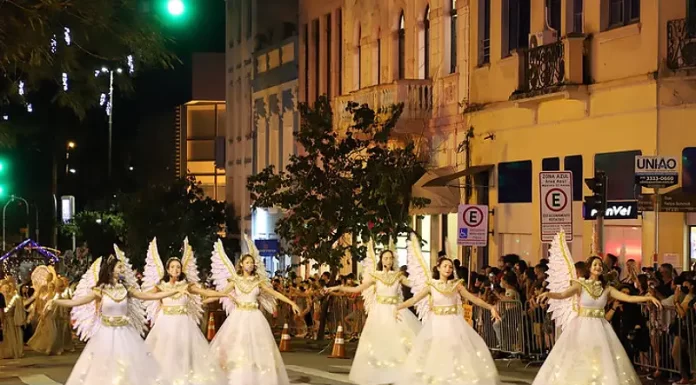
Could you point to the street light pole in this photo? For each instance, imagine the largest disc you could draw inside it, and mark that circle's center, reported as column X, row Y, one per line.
column 4, row 210
column 111, row 115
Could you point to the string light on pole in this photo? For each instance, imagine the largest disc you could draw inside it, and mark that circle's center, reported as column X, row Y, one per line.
column 21, row 88
column 54, row 45
column 65, row 81
column 109, row 100
column 68, row 38
column 131, row 64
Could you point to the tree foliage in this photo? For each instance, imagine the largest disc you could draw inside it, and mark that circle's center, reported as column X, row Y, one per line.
column 172, row 212
column 100, row 229
column 343, row 186
column 42, row 39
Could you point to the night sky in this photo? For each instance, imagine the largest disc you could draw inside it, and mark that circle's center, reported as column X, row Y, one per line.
column 157, row 93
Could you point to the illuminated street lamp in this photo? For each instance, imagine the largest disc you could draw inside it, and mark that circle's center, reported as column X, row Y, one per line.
column 176, row 7
column 109, row 104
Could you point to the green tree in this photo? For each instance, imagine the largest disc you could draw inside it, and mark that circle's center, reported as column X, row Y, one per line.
column 100, row 229
column 172, row 212
column 40, row 40
column 348, row 184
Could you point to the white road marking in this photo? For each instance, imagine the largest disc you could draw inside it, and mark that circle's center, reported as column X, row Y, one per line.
column 38, row 379
column 319, row 373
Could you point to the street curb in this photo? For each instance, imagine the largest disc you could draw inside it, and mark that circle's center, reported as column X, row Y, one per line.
column 515, row 380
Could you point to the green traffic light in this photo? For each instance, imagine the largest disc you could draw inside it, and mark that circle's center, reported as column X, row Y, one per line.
column 176, row 7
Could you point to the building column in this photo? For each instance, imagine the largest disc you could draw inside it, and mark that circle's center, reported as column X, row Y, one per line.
column 323, row 62
column 311, row 79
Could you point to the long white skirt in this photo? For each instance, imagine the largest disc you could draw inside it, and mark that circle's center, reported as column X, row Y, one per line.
column 588, row 351
column 449, row 351
column 117, row 355
column 247, row 352
column 384, row 345
column 179, row 347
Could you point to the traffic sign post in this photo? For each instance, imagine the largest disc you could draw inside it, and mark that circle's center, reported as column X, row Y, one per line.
column 556, row 190
column 473, row 225
column 657, row 171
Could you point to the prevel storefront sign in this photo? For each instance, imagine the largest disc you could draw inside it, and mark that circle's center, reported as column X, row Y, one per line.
column 657, row 171
column 556, row 189
column 615, row 210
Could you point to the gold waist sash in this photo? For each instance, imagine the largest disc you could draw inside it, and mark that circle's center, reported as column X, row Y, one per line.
column 117, row 321
column 247, row 306
column 386, row 300
column 446, row 310
column 175, row 310
column 591, row 312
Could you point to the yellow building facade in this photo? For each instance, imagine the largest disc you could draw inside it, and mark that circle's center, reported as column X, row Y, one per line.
column 500, row 90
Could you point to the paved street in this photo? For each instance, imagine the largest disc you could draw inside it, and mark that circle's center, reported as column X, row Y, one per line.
column 304, row 366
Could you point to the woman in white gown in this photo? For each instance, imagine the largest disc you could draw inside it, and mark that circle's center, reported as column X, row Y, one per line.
column 447, row 350
column 588, row 351
column 244, row 346
column 107, row 311
column 176, row 340
column 384, row 342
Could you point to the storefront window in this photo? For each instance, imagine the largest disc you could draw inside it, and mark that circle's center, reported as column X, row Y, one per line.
column 625, row 242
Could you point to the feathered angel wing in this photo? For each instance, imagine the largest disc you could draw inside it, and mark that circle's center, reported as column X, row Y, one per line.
column 85, row 317
column 136, row 308
column 152, row 275
column 561, row 272
column 189, row 266
column 223, row 272
column 369, row 265
column 267, row 301
column 419, row 276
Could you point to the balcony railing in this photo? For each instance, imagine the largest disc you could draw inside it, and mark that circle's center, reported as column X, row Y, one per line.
column 549, row 67
column 681, row 43
column 416, row 94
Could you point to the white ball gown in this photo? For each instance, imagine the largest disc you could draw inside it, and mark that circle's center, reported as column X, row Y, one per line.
column 244, row 346
column 384, row 342
column 588, row 351
column 115, row 352
column 447, row 350
column 178, row 345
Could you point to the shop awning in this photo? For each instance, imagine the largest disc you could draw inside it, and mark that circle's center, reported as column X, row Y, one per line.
column 447, row 180
column 443, row 199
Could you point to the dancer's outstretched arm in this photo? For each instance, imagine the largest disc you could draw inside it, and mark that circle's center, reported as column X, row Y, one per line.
column 633, row 298
column 367, row 282
column 143, row 296
column 414, row 300
column 195, row 289
column 466, row 294
column 574, row 289
column 71, row 302
column 280, row 297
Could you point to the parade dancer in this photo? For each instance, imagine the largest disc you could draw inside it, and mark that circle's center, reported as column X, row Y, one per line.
column 588, row 350
column 384, row 342
column 244, row 346
column 12, row 345
column 447, row 350
column 176, row 340
column 109, row 313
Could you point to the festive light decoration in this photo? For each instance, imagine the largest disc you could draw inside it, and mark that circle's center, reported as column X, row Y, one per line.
column 108, row 108
column 29, row 244
column 30, row 108
column 131, row 64
column 21, row 88
column 54, row 44
column 65, row 81
column 68, row 38
column 5, row 117
column 102, row 99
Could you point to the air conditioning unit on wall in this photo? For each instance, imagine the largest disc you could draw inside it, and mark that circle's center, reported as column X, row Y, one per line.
column 537, row 39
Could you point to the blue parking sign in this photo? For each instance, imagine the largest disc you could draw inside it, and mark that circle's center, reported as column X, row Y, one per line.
column 463, row 233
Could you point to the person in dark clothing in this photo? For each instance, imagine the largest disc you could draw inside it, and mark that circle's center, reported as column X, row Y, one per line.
column 406, row 291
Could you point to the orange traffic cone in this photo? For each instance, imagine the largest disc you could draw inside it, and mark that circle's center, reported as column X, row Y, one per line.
column 211, row 326
column 339, row 348
column 285, row 339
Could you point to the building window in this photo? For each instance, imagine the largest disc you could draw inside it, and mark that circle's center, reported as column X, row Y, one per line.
column 550, row 164
column 328, row 55
column 515, row 182
column 453, row 37
column 623, row 12
column 578, row 18
column 426, row 43
column 339, row 23
column 553, row 10
column 689, row 170
column 305, row 43
column 518, row 25
column 317, row 56
column 249, row 18
column 574, row 164
column 402, row 46
column 484, row 33
column 621, row 179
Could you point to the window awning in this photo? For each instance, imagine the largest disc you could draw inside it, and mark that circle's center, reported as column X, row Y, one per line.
column 444, row 180
column 443, row 199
